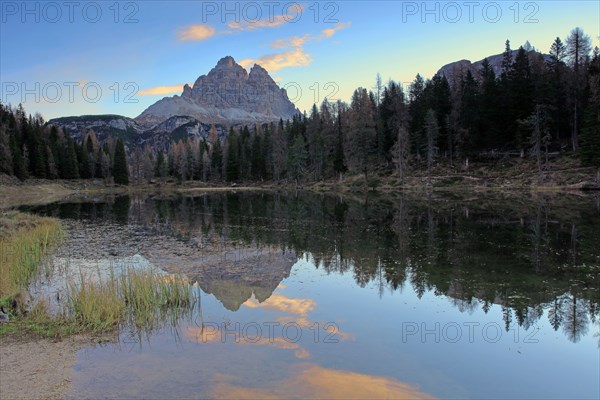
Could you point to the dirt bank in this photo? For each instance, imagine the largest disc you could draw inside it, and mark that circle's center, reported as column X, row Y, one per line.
column 34, row 368
column 560, row 174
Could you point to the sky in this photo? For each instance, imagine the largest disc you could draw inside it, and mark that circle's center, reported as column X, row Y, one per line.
column 64, row 58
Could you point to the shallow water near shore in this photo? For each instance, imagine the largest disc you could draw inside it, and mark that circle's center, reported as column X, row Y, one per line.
column 312, row 296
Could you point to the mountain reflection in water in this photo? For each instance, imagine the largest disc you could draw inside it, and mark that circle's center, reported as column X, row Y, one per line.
column 406, row 296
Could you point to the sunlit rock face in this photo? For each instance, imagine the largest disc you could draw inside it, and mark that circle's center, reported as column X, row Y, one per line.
column 227, row 94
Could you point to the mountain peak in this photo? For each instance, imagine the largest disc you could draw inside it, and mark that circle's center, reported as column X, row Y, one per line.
column 226, row 95
column 257, row 71
column 226, row 62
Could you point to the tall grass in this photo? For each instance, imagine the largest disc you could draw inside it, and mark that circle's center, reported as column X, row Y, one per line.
column 140, row 299
column 24, row 241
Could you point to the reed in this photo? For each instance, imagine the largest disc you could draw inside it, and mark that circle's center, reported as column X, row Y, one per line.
column 24, row 241
column 140, row 299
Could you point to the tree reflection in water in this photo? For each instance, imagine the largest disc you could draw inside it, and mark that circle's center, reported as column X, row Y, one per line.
column 534, row 255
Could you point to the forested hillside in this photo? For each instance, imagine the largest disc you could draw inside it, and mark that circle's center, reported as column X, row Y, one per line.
column 538, row 106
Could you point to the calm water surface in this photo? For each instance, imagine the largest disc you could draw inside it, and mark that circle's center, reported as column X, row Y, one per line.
column 410, row 296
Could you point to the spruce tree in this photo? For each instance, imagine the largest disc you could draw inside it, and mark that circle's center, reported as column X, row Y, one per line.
column 590, row 134
column 590, row 137
column 233, row 151
column 267, row 152
column 297, row 159
column 339, row 161
column 216, row 160
column 19, row 168
column 258, row 163
column 84, row 167
column 70, row 165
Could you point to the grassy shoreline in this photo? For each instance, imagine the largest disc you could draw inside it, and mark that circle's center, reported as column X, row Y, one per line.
column 139, row 299
column 24, row 241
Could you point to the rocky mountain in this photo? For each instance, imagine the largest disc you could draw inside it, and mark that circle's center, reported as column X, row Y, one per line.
column 455, row 69
column 134, row 134
column 103, row 126
column 227, row 95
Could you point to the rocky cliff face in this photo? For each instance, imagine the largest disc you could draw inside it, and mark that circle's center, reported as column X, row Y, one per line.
column 103, row 125
column 226, row 95
column 158, row 137
column 457, row 69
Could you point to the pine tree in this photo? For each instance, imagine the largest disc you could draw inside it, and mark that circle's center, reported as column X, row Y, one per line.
column 490, row 120
column 590, row 134
column 521, row 96
column 51, row 168
column 267, row 152
column 558, row 73
column 160, row 165
column 442, row 106
column 417, row 110
column 339, row 161
column 6, row 159
column 507, row 61
column 233, row 154
column 216, row 160
column 84, row 166
column 70, row 164
column 590, row 137
column 297, row 159
column 120, row 169
column 431, row 130
column 577, row 51
column 258, row 162
column 362, row 134
column 469, row 113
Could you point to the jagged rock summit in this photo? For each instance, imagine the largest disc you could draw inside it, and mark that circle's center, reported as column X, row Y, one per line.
column 226, row 95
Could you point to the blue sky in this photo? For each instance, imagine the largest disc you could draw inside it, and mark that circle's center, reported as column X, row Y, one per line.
column 94, row 57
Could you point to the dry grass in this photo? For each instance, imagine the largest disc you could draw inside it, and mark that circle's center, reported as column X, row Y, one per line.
column 24, row 240
column 140, row 299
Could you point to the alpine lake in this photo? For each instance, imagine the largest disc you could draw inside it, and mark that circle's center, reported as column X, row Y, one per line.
column 304, row 295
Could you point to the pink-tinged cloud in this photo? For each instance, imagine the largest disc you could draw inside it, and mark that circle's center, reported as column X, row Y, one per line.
column 293, row 14
column 196, row 32
column 294, row 41
column 276, row 62
column 311, row 381
column 161, row 90
column 299, row 41
column 327, row 33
